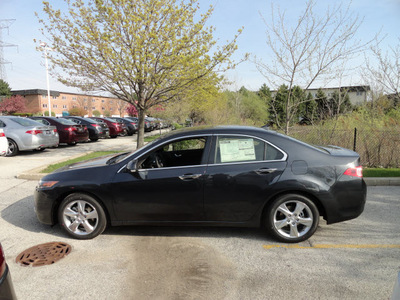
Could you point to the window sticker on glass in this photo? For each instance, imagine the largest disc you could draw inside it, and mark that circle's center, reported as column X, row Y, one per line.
column 237, row 150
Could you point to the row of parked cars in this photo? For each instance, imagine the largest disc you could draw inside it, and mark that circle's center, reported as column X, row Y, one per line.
column 38, row 133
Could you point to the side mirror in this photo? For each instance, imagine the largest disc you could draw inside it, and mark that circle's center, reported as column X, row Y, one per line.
column 132, row 166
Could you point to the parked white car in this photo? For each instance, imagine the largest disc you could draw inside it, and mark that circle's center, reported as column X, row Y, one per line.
column 3, row 143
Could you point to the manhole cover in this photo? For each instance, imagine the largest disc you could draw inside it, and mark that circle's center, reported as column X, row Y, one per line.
column 44, row 254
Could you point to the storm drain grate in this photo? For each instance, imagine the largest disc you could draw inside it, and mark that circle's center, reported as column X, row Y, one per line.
column 44, row 254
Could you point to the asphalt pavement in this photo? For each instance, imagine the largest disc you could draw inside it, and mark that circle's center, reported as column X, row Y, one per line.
column 356, row 259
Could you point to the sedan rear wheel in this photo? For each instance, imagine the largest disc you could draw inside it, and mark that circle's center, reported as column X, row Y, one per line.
column 12, row 148
column 81, row 216
column 292, row 218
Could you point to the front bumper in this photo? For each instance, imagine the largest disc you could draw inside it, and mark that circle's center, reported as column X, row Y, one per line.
column 44, row 207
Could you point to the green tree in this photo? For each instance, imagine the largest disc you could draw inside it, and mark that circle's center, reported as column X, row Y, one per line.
column 96, row 113
column 107, row 113
column 5, row 90
column 76, row 111
column 143, row 52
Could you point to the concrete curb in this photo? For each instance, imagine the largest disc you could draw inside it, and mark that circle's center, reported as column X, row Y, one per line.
column 382, row 181
column 35, row 174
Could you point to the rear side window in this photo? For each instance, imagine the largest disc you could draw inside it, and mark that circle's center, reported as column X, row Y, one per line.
column 25, row 122
column 231, row 149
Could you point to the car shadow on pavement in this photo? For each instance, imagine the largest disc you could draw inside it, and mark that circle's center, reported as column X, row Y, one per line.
column 190, row 231
column 21, row 214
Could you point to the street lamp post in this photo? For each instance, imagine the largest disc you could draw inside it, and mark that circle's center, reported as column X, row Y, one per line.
column 45, row 49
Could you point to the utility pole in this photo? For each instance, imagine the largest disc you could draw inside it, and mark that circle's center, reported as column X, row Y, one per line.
column 4, row 24
column 45, row 48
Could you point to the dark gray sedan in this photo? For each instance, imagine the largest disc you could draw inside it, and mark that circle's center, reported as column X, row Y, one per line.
column 221, row 176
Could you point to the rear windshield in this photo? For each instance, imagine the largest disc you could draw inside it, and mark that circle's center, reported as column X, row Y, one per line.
column 26, row 122
column 90, row 121
column 66, row 121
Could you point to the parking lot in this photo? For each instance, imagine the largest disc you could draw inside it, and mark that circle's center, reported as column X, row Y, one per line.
column 357, row 259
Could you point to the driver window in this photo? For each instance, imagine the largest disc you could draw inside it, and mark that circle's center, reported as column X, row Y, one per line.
column 185, row 152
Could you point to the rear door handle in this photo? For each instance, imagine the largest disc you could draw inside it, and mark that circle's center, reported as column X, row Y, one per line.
column 266, row 170
column 189, row 176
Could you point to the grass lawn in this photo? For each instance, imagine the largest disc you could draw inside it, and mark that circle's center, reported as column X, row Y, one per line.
column 54, row 167
column 379, row 172
column 151, row 138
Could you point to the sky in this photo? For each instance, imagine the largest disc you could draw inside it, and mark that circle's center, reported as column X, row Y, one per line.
column 27, row 70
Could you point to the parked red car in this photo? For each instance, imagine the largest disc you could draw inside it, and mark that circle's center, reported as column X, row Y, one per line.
column 116, row 127
column 69, row 132
column 6, row 285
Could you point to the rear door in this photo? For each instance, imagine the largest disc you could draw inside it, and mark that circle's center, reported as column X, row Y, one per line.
column 240, row 175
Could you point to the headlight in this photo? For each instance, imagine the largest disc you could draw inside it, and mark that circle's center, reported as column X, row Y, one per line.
column 46, row 184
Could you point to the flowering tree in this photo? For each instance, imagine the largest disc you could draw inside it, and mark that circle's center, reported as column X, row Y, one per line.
column 12, row 105
column 131, row 110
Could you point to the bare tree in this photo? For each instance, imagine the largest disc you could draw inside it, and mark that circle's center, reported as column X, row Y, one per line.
column 383, row 72
column 310, row 50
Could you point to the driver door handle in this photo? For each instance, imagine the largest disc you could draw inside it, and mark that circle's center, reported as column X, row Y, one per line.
column 189, row 176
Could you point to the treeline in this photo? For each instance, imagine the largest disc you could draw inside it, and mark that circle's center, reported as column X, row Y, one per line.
column 258, row 108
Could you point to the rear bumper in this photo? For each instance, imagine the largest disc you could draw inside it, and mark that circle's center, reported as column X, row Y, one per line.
column 349, row 200
column 40, row 142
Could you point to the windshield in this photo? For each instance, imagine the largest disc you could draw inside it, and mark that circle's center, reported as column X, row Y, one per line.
column 117, row 158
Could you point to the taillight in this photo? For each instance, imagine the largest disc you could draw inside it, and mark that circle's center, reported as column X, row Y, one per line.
column 34, row 132
column 355, row 172
column 2, row 262
column 55, row 130
column 116, row 124
column 95, row 125
column 2, row 134
column 70, row 129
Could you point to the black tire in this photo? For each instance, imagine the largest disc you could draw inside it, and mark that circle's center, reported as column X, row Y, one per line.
column 94, row 139
column 72, row 144
column 292, row 218
column 81, row 216
column 113, row 136
column 12, row 148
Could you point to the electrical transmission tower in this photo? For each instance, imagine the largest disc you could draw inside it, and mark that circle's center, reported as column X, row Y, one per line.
column 4, row 24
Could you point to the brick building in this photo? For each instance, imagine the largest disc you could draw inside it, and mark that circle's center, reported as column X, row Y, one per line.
column 37, row 102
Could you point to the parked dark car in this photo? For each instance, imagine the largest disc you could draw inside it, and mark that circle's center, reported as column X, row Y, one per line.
column 96, row 130
column 6, row 286
column 116, row 128
column 70, row 133
column 131, row 126
column 147, row 124
column 220, row 176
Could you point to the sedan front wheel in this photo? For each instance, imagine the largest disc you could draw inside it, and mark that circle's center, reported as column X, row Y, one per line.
column 292, row 218
column 81, row 216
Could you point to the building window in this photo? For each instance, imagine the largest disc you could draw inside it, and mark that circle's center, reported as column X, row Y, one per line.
column 74, row 106
column 111, row 102
column 44, row 105
column 359, row 93
column 44, row 96
column 64, row 106
column 102, row 100
column 73, row 98
column 54, row 97
column 103, row 108
column 85, row 107
column 93, row 100
column 111, row 109
column 84, row 99
column 64, row 97
column 54, row 105
column 93, row 107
